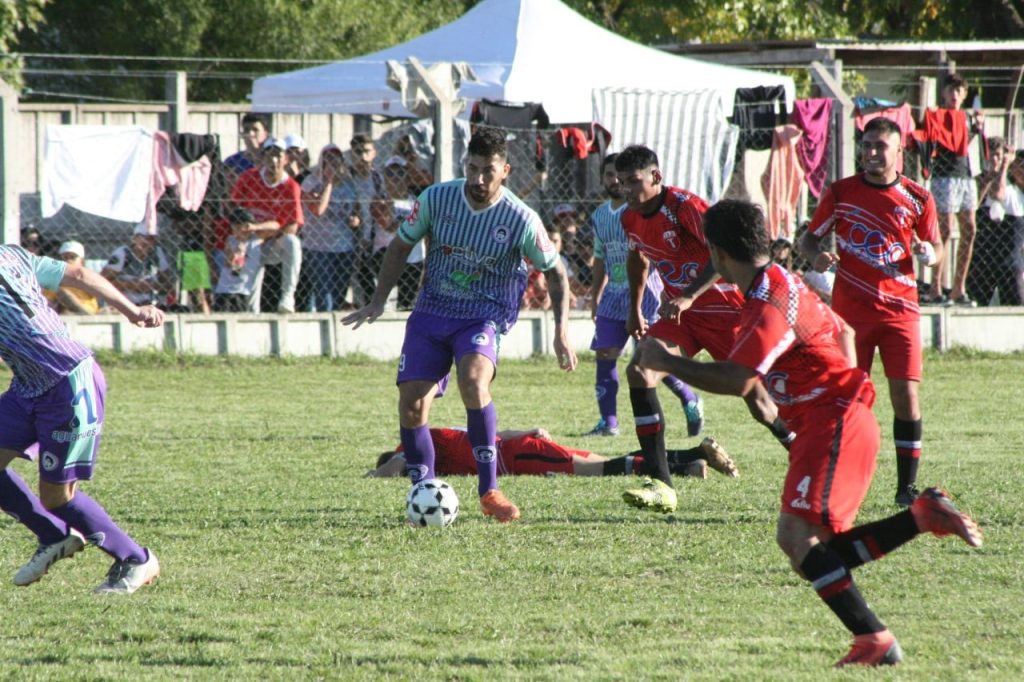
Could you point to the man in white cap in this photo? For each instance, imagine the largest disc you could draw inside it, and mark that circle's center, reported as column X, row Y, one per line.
column 68, row 299
column 298, row 157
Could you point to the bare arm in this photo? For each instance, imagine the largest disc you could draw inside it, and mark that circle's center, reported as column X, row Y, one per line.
column 810, row 246
column 725, row 377
column 558, row 288
column 79, row 277
column 636, row 273
column 597, row 284
column 536, row 433
column 675, row 307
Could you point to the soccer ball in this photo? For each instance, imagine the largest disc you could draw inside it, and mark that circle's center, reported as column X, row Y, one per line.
column 432, row 503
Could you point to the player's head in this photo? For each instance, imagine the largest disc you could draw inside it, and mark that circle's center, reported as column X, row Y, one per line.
column 736, row 229
column 386, row 457
column 609, row 178
column 954, row 91
column 881, row 147
column 637, row 168
column 486, row 166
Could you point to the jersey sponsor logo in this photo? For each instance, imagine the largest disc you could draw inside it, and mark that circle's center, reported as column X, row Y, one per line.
column 800, row 503
column 414, row 213
column 470, row 255
column 485, row 454
column 671, row 238
column 49, row 461
column 501, row 233
column 72, row 436
column 677, row 274
column 873, row 244
column 464, row 280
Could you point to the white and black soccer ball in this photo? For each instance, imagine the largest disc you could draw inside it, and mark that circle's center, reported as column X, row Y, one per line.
column 432, row 503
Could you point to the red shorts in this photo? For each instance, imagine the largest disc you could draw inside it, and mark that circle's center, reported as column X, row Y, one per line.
column 529, row 455
column 897, row 341
column 831, row 464
column 714, row 333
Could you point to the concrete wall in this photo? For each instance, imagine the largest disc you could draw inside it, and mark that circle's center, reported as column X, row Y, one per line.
column 992, row 329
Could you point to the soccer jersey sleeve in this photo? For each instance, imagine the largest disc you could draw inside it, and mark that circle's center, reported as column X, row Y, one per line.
column 822, row 220
column 537, row 247
column 764, row 335
column 417, row 225
column 49, row 271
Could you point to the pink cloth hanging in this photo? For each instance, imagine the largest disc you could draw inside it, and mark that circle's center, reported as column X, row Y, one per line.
column 168, row 170
column 782, row 180
column 813, row 117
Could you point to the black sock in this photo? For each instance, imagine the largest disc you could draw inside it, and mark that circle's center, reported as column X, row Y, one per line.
column 907, row 438
column 614, row 467
column 831, row 579
column 650, row 431
column 684, row 456
column 782, row 432
column 871, row 541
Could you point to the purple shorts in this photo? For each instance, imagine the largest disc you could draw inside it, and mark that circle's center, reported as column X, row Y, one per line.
column 432, row 342
column 66, row 421
column 609, row 333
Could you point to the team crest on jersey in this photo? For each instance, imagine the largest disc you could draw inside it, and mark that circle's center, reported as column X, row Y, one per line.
column 775, row 382
column 413, row 213
column 50, row 461
column 448, row 220
column 671, row 238
column 501, row 233
column 481, row 340
column 902, row 214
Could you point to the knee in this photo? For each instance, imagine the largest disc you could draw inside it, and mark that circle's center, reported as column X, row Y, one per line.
column 475, row 394
column 638, row 376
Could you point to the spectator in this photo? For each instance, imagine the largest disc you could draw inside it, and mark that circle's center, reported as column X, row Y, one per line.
column 368, row 184
column 331, row 235
column 999, row 218
column 396, row 180
column 418, row 176
column 141, row 269
column 255, row 131
column 274, row 200
column 298, row 158
column 238, row 276
column 69, row 300
column 577, row 247
column 32, row 241
column 955, row 193
column 782, row 252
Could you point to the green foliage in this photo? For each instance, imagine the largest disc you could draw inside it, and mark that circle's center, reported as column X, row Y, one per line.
column 281, row 562
column 16, row 16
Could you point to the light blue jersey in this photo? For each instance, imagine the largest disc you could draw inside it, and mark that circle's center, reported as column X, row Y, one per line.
column 612, row 246
column 33, row 340
column 474, row 267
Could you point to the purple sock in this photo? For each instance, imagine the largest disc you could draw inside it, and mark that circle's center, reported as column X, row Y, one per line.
column 606, row 387
column 419, row 453
column 679, row 389
column 86, row 514
column 482, row 427
column 22, row 504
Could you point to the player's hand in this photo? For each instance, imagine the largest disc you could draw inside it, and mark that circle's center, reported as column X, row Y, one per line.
column 674, row 307
column 636, row 325
column 147, row 316
column 565, row 354
column 825, row 260
column 368, row 313
column 541, row 433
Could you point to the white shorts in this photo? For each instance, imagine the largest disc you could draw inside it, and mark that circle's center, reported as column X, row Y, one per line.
column 953, row 195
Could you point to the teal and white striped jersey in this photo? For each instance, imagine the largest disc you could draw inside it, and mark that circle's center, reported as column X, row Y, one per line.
column 34, row 342
column 612, row 246
column 474, row 267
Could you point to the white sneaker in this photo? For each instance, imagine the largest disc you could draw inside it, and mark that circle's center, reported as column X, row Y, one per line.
column 48, row 555
column 124, row 577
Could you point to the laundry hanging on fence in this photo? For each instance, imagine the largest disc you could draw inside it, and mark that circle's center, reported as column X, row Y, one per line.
column 814, row 118
column 782, row 180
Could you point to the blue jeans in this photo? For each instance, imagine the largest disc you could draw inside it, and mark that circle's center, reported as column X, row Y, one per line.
column 329, row 275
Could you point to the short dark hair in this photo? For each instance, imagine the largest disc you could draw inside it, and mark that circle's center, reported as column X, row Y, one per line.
column 360, row 139
column 955, row 80
column 609, row 159
column 263, row 119
column 738, row 228
column 883, row 125
column 635, row 157
column 488, row 142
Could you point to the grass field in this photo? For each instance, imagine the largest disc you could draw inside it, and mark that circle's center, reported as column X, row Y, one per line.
column 281, row 562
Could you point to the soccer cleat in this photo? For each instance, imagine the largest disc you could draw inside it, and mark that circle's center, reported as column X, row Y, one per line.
column 694, row 410
column 906, row 497
column 124, row 577
column 48, row 555
column 935, row 513
column 698, row 468
column 879, row 648
column 654, row 495
column 718, row 459
column 495, row 504
column 602, row 429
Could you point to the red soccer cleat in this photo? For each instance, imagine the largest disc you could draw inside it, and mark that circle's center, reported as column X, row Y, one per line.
column 878, row 648
column 935, row 513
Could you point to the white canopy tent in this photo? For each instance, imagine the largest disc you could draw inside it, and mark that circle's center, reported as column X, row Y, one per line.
column 521, row 51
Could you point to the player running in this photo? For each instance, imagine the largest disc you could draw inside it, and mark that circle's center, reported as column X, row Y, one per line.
column 804, row 354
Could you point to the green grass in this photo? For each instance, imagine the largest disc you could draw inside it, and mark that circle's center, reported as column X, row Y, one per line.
column 281, row 562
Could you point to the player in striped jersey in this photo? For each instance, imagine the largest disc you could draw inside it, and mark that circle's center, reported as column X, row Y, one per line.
column 56, row 400
column 479, row 234
column 882, row 221
column 609, row 300
column 802, row 351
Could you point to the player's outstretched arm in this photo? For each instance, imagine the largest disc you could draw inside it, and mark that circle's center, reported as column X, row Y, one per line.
column 636, row 274
column 673, row 308
column 725, row 377
column 558, row 288
column 79, row 277
column 810, row 246
column 390, row 270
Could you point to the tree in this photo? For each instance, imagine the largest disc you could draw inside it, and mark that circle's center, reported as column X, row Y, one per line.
column 16, row 16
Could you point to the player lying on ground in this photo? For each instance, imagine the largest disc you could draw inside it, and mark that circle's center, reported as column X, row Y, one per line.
column 791, row 341
column 533, row 452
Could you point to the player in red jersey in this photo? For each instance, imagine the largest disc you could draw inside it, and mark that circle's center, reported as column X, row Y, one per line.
column 803, row 353
column 663, row 225
column 525, row 453
column 881, row 221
